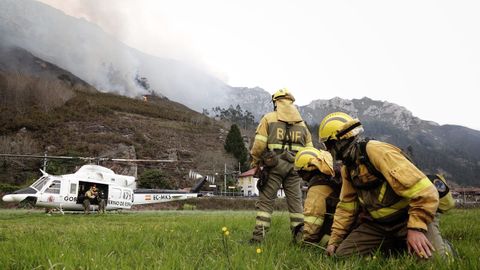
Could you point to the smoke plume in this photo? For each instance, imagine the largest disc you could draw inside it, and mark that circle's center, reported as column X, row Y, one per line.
column 97, row 56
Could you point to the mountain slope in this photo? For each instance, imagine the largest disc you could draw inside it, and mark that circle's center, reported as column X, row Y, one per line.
column 453, row 150
column 90, row 123
column 102, row 61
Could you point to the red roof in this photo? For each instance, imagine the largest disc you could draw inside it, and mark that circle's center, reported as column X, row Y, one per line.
column 248, row 173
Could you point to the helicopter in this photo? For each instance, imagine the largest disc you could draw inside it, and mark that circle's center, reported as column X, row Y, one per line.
column 66, row 192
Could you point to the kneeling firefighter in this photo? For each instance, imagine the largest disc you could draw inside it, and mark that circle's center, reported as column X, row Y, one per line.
column 316, row 168
column 279, row 135
column 398, row 202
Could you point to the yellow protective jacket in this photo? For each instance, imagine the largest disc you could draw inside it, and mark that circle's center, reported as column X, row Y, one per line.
column 404, row 191
column 90, row 194
column 271, row 130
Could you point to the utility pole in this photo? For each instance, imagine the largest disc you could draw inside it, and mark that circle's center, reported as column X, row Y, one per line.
column 225, row 179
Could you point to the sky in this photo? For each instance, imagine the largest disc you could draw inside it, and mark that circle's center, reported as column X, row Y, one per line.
column 423, row 55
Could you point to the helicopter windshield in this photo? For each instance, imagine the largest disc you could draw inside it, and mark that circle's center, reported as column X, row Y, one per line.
column 54, row 187
column 40, row 183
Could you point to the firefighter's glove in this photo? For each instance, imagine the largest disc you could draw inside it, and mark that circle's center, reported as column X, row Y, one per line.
column 262, row 174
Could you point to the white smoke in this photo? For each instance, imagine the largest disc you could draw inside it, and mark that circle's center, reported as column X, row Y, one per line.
column 74, row 45
column 97, row 57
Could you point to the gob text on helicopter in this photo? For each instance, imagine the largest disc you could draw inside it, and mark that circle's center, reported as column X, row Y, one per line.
column 66, row 192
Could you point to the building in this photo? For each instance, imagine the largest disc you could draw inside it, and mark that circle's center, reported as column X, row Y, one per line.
column 466, row 196
column 248, row 184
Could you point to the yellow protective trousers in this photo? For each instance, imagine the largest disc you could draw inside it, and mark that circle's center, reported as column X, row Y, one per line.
column 317, row 217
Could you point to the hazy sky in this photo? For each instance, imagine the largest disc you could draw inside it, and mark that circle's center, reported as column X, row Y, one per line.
column 423, row 55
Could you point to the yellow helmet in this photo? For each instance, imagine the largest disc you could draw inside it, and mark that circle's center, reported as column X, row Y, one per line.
column 338, row 125
column 310, row 159
column 282, row 93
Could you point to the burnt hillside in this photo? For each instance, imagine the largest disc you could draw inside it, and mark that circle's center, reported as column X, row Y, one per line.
column 96, row 124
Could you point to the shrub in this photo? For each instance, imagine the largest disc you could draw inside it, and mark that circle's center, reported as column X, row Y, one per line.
column 153, row 179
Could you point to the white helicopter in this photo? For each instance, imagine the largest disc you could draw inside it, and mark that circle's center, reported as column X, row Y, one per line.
column 66, row 192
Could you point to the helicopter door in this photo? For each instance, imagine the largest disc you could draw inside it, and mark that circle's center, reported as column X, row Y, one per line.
column 82, row 188
column 102, row 190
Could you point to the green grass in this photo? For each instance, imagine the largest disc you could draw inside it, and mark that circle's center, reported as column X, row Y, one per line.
column 192, row 240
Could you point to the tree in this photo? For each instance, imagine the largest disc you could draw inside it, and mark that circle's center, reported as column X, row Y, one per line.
column 153, row 179
column 234, row 144
column 235, row 115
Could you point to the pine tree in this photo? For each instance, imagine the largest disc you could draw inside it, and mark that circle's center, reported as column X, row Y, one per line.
column 234, row 144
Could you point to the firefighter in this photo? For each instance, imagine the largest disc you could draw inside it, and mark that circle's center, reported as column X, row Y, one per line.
column 397, row 201
column 102, row 203
column 446, row 203
column 89, row 196
column 279, row 135
column 316, row 168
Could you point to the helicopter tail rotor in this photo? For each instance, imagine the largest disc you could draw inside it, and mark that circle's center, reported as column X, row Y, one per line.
column 203, row 180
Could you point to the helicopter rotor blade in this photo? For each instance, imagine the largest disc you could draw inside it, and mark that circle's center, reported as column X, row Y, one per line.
column 96, row 158
column 143, row 160
column 51, row 157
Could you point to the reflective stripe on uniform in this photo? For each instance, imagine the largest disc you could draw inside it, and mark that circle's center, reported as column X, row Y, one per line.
column 295, row 223
column 387, row 211
column 262, row 223
column 261, row 138
column 383, row 189
column 314, row 220
column 309, row 144
column 296, row 215
column 263, row 219
column 350, row 206
column 273, row 146
column 296, row 219
column 419, row 186
column 264, row 214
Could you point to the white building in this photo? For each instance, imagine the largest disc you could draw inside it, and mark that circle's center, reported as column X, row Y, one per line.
column 248, row 184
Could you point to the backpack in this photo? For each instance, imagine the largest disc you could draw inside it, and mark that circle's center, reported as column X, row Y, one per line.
column 445, row 196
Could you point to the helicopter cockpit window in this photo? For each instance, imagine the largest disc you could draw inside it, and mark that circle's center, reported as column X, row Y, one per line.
column 54, row 187
column 38, row 185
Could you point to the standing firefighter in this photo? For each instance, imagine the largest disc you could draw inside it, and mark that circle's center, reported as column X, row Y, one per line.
column 316, row 168
column 279, row 136
column 397, row 201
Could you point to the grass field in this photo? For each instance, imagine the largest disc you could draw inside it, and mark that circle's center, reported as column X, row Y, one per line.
column 193, row 240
